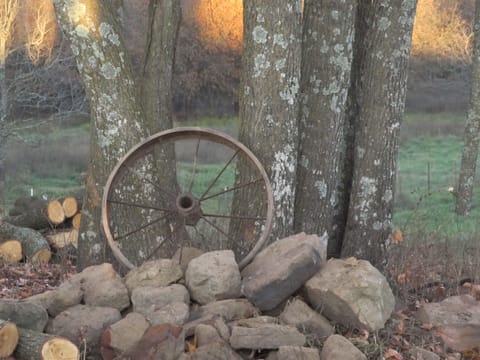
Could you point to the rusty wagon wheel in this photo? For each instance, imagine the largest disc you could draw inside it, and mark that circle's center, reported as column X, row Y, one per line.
column 179, row 188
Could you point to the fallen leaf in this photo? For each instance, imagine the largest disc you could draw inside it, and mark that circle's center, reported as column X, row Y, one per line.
column 397, row 237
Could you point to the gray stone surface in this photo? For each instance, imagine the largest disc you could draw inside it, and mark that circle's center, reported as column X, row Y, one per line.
column 185, row 254
column 157, row 273
column 422, row 354
column 102, row 286
column 215, row 351
column 268, row 336
column 148, row 299
column 230, row 309
column 297, row 353
column 126, row 332
column 281, row 269
column 206, row 334
column 173, row 313
column 213, row 276
column 456, row 320
column 351, row 292
column 307, row 320
column 336, row 347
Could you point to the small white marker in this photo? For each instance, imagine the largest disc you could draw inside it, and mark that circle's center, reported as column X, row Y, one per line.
column 31, row 192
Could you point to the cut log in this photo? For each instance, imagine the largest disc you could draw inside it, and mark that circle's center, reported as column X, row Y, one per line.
column 76, row 221
column 30, row 213
column 55, row 212
column 70, row 206
column 11, row 251
column 37, row 345
column 59, row 240
column 8, row 338
column 35, row 246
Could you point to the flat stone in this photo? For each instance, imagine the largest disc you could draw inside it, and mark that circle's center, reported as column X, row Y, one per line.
column 268, row 336
column 156, row 273
column 213, row 276
column 281, row 269
column 257, row 321
column 351, row 292
column 102, row 286
column 336, row 347
column 206, row 334
column 297, row 353
column 456, row 320
column 307, row 320
column 148, row 299
column 125, row 333
column 174, row 313
column 214, row 351
column 231, row 309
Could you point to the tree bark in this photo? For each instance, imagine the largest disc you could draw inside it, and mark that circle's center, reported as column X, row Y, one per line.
column 116, row 115
column 268, row 103
column 472, row 129
column 382, row 46
column 328, row 34
column 36, row 345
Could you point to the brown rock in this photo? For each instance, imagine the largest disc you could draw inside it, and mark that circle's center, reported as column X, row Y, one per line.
column 336, row 347
column 267, row 281
column 307, row 320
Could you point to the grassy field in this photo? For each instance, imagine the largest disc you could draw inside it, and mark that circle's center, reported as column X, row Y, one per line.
column 429, row 161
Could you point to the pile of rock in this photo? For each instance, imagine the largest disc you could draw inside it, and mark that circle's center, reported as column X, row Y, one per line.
column 283, row 305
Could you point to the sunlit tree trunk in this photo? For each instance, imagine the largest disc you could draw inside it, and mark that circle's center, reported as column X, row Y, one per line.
column 117, row 119
column 268, row 100
column 472, row 129
column 383, row 37
column 328, row 34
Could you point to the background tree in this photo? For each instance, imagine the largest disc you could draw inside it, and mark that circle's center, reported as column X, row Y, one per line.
column 328, row 35
column 472, row 129
column 377, row 99
column 268, row 99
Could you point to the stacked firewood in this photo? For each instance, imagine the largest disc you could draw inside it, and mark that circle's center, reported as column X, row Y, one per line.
column 35, row 227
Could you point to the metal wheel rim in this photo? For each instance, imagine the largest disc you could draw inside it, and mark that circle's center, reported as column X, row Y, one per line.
column 193, row 132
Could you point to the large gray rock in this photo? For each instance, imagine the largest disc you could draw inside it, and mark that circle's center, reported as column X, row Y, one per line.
column 281, row 269
column 124, row 334
column 102, row 286
column 213, row 276
column 456, row 320
column 266, row 336
column 230, row 309
column 336, row 347
column 173, row 313
column 307, row 320
column 157, row 273
column 214, row 351
column 351, row 292
column 185, row 254
column 297, row 353
column 83, row 324
column 206, row 334
column 148, row 299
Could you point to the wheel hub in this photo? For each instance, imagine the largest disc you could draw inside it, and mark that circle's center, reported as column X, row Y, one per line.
column 189, row 208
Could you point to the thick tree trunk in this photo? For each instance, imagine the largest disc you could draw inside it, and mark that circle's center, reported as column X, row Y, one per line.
column 383, row 37
column 37, row 345
column 268, row 102
column 472, row 129
column 8, row 338
column 328, row 34
column 116, row 115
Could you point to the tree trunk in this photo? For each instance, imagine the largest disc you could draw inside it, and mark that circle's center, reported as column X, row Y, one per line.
column 268, row 103
column 8, row 338
column 116, row 115
column 472, row 129
column 383, row 36
column 328, row 34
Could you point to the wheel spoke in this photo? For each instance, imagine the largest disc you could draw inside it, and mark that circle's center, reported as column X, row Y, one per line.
column 212, row 224
column 194, row 170
column 141, row 206
column 141, row 227
column 232, row 189
column 235, row 217
column 219, row 174
column 144, row 179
